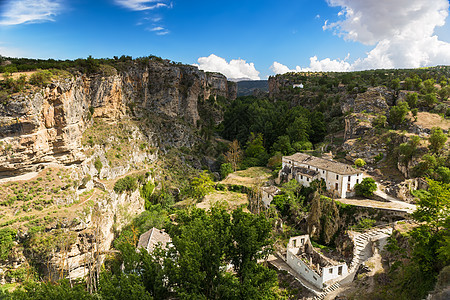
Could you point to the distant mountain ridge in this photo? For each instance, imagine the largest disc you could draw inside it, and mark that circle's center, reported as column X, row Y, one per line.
column 246, row 87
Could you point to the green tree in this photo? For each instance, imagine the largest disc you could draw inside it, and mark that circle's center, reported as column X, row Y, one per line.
column 412, row 99
column 366, row 187
column 395, row 84
column 398, row 113
column 428, row 86
column 225, row 169
column 201, row 186
column 429, row 99
column 283, row 145
column 255, row 153
column 437, row 139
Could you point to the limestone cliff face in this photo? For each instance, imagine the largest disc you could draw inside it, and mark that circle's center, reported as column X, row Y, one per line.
column 45, row 125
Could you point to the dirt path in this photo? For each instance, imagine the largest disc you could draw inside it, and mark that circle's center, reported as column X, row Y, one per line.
column 23, row 177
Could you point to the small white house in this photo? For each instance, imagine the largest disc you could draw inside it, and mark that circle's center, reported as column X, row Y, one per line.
column 268, row 193
column 297, row 85
column 311, row 265
column 340, row 178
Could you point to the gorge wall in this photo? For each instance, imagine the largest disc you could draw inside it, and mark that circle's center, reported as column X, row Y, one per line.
column 45, row 125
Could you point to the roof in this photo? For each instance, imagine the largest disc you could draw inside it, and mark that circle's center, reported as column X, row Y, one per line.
column 272, row 190
column 150, row 239
column 324, row 164
column 306, row 172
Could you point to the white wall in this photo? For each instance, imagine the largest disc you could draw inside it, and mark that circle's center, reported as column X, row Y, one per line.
column 326, row 275
column 301, row 268
column 329, row 177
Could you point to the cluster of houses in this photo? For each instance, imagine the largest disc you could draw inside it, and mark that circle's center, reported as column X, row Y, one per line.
column 340, row 179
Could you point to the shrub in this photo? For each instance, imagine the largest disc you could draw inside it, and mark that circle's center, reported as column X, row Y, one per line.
column 98, row 165
column 366, row 187
column 7, row 236
column 128, row 183
column 40, row 78
column 225, row 169
column 360, row 162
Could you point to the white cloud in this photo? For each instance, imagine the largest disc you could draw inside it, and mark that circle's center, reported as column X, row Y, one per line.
column 315, row 65
column 401, row 31
column 142, row 4
column 30, row 11
column 159, row 30
column 236, row 68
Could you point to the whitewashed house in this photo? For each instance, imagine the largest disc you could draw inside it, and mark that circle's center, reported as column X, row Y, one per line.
column 311, row 265
column 268, row 193
column 297, row 86
column 340, row 178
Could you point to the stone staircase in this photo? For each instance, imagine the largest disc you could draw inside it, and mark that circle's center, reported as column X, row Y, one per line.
column 361, row 250
column 326, row 291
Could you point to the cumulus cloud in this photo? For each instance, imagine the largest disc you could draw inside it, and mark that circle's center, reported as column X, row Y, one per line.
column 236, row 68
column 315, row 65
column 29, row 11
column 401, row 32
column 142, row 4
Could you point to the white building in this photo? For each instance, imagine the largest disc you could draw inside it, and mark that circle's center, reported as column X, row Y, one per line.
column 311, row 265
column 268, row 193
column 297, row 86
column 339, row 178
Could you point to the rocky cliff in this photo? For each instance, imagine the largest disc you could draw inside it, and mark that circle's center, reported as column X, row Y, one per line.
column 45, row 125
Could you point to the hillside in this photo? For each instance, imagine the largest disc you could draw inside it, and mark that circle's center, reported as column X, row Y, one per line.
column 95, row 152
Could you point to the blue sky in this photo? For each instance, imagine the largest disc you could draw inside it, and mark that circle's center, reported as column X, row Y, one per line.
column 252, row 39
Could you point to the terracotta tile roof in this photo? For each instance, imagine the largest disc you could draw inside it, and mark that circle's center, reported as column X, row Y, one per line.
column 150, row 239
column 324, row 164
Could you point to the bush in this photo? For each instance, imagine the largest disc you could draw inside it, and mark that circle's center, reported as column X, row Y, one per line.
column 128, row 183
column 7, row 236
column 366, row 187
column 360, row 162
column 41, row 78
column 225, row 169
column 98, row 165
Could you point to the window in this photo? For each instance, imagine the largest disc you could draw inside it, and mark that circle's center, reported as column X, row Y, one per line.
column 330, row 270
column 349, row 178
column 357, row 180
column 340, row 270
column 317, row 169
column 306, row 270
column 337, row 186
column 348, row 187
column 337, row 177
column 315, row 278
column 302, row 241
column 308, row 167
column 323, row 172
column 295, row 243
column 301, row 177
column 307, row 179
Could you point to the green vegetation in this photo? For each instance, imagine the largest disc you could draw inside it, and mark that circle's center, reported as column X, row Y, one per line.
column 366, row 187
column 360, row 162
column 7, row 237
column 126, row 184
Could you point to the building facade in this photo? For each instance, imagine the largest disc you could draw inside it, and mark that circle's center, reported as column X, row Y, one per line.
column 340, row 179
column 311, row 265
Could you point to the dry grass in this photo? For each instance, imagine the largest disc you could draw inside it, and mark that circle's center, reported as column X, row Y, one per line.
column 250, row 177
column 227, row 199
column 430, row 120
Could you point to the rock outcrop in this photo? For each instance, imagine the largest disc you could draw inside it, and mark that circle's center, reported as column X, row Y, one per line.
column 45, row 125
